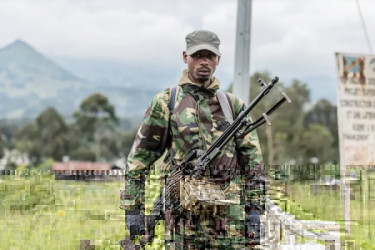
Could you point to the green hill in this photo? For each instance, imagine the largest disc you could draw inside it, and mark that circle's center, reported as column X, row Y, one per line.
column 30, row 83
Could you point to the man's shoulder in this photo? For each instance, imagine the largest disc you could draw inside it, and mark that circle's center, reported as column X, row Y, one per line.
column 236, row 102
column 163, row 96
column 164, row 93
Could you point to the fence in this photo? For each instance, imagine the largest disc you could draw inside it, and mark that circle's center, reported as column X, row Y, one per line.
column 281, row 229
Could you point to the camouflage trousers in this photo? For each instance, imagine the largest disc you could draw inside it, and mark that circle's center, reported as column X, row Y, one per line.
column 221, row 231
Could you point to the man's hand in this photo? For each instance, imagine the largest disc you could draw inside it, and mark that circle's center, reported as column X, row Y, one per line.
column 252, row 242
column 140, row 226
column 135, row 222
column 253, row 228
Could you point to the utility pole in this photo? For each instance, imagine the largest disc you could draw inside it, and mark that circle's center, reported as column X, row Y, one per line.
column 241, row 81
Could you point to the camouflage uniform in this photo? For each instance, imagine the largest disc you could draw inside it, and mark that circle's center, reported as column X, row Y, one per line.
column 197, row 121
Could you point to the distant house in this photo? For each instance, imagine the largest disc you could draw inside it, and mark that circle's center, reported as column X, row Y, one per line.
column 13, row 157
column 79, row 170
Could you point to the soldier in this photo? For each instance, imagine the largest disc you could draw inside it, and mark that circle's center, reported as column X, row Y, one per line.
column 196, row 121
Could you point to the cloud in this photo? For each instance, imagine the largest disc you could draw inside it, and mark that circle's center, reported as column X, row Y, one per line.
column 301, row 37
column 114, row 29
column 294, row 39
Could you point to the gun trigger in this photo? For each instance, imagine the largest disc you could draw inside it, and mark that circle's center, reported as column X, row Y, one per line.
column 266, row 118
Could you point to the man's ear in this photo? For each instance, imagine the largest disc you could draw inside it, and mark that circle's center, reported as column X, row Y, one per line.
column 218, row 60
column 184, row 56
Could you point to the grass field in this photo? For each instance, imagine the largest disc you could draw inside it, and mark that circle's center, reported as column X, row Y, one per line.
column 327, row 205
column 38, row 212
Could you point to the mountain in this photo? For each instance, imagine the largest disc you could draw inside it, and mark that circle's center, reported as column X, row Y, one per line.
column 30, row 82
column 21, row 56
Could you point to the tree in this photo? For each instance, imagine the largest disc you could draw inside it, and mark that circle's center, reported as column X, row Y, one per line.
column 325, row 114
column 52, row 132
column 127, row 141
column 45, row 138
column 290, row 126
column 317, row 143
column 280, row 142
column 93, row 136
column 1, row 145
column 27, row 141
column 298, row 137
column 7, row 132
column 265, row 133
column 97, row 121
column 94, row 112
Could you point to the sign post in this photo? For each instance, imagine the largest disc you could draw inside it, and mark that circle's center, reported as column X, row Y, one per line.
column 356, row 117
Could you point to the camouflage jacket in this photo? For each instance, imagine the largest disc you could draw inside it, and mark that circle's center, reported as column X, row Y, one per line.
column 196, row 122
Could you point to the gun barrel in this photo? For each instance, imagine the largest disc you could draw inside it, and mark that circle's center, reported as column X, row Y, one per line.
column 235, row 126
column 262, row 119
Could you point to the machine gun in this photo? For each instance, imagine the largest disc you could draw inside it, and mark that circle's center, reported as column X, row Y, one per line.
column 240, row 127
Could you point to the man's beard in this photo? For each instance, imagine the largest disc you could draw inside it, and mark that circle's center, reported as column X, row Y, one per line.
column 202, row 79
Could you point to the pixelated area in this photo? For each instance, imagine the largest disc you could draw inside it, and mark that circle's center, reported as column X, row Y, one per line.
column 40, row 212
column 309, row 198
column 313, row 193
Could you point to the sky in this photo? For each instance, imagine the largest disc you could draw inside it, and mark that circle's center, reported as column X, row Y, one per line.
column 293, row 39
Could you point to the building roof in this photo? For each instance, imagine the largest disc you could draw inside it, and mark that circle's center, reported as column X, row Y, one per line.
column 80, row 165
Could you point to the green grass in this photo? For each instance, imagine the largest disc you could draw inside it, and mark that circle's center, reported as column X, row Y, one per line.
column 38, row 212
column 328, row 205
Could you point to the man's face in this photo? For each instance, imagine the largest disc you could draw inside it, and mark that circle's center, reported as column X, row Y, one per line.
column 201, row 65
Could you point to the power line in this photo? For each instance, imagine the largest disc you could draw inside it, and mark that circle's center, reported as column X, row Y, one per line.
column 364, row 26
